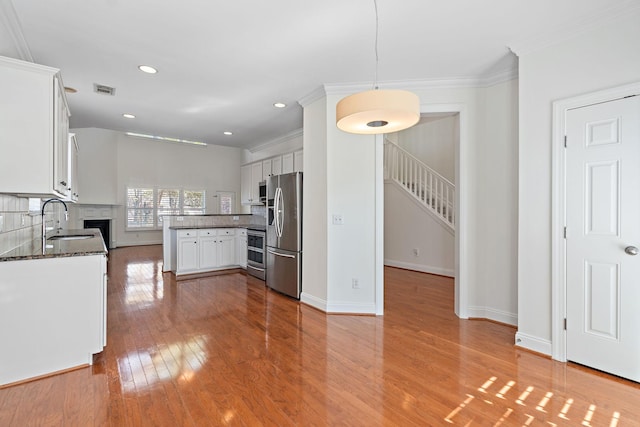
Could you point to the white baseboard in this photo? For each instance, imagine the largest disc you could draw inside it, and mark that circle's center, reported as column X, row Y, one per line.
column 337, row 307
column 536, row 344
column 136, row 243
column 350, row 308
column 493, row 314
column 420, row 267
column 313, row 301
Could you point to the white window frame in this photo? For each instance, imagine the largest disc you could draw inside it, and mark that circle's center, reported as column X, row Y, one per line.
column 156, row 208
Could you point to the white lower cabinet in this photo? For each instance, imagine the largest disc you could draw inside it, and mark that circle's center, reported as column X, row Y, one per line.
column 187, row 251
column 200, row 250
column 241, row 247
column 53, row 312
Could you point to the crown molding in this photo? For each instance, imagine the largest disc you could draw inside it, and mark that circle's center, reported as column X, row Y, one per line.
column 313, row 96
column 11, row 22
column 288, row 137
column 620, row 8
column 417, row 85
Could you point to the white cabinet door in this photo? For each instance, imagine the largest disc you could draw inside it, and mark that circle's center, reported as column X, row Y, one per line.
column 287, row 163
column 298, row 160
column 73, row 168
column 226, row 251
column 276, row 165
column 187, row 254
column 61, row 141
column 241, row 248
column 208, row 252
column 245, row 185
column 256, row 176
column 34, row 124
column 266, row 169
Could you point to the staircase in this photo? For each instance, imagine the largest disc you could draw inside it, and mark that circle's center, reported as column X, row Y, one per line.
column 433, row 191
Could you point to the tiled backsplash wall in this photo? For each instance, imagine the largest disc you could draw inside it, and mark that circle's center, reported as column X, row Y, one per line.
column 18, row 226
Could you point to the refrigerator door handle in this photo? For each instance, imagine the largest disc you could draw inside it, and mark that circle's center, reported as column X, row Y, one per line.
column 279, row 254
column 279, row 212
column 275, row 211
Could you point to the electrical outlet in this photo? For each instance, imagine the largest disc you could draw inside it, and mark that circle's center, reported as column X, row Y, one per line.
column 355, row 284
column 416, row 251
column 338, row 219
column 236, row 217
column 180, row 218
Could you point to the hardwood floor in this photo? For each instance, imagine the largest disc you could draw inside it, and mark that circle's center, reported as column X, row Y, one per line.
column 224, row 350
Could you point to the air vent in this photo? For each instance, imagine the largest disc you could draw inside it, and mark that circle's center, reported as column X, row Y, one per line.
column 104, row 90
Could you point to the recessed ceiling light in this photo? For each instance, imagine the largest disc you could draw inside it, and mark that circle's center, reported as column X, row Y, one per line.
column 128, row 116
column 147, row 69
column 227, row 132
column 70, row 89
column 279, row 105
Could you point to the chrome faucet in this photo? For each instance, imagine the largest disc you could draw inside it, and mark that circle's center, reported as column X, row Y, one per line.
column 44, row 224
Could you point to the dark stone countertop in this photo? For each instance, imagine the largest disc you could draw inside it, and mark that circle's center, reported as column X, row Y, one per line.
column 203, row 227
column 60, row 248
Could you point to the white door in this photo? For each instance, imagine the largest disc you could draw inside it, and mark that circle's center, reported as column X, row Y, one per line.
column 603, row 232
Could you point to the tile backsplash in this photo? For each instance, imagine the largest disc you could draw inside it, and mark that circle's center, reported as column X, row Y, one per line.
column 18, row 226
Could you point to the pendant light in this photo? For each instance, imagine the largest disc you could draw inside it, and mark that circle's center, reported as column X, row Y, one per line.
column 377, row 111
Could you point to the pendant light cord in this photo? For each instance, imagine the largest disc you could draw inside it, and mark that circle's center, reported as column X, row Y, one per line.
column 375, row 79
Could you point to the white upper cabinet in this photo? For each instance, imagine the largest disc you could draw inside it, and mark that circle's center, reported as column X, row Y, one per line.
column 73, row 168
column 266, row 169
column 276, row 165
column 34, row 129
column 250, row 177
column 298, row 161
column 287, row 163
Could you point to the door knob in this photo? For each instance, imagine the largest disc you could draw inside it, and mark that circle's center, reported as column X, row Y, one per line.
column 631, row 250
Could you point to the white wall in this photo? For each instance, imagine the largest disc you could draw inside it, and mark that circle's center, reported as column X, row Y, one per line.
column 339, row 178
column 97, row 160
column 315, row 220
column 603, row 57
column 432, row 142
column 142, row 162
column 407, row 225
column 497, row 194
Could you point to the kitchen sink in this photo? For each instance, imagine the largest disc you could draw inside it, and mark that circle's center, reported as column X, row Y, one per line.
column 70, row 237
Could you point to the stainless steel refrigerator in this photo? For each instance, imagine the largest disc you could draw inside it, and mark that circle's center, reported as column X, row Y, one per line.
column 284, row 233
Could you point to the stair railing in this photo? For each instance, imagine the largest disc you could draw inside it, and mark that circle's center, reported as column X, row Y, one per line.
column 431, row 189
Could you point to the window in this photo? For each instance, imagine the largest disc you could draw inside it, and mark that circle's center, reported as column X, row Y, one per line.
column 146, row 206
column 140, row 208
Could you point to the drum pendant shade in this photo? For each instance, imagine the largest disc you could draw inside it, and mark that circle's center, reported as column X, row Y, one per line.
column 378, row 111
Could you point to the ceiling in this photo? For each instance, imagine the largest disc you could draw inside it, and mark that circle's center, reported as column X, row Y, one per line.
column 222, row 64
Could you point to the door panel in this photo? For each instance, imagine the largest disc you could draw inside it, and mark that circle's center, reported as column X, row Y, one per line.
column 603, row 218
column 602, row 308
column 602, row 204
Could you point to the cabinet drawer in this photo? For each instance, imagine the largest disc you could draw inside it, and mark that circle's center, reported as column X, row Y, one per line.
column 187, row 233
column 242, row 232
column 207, row 232
column 227, row 232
